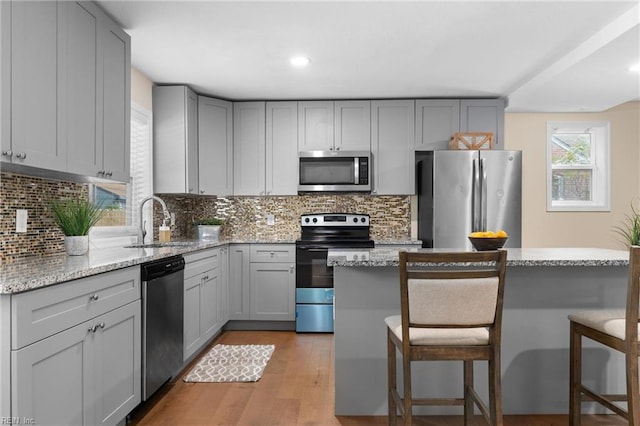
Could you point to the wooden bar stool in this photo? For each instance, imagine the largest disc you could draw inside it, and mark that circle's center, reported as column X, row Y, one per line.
column 617, row 329
column 451, row 312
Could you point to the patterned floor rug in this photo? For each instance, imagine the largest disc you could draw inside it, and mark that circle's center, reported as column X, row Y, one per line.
column 232, row 363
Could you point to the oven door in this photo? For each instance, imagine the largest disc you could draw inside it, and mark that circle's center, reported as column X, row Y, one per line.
column 311, row 267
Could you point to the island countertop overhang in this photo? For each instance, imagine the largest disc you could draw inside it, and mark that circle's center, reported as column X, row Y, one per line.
column 570, row 256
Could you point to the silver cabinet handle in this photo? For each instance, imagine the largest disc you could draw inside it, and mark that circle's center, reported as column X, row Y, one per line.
column 96, row 327
column 94, row 296
column 7, row 153
column 190, row 189
column 102, row 325
column 21, row 155
column 272, row 254
column 202, row 191
column 109, row 173
column 337, row 148
column 291, row 267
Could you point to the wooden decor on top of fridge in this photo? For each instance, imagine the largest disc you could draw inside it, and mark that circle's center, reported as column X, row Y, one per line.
column 472, row 140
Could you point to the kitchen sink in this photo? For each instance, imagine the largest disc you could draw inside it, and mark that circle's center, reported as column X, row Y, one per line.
column 161, row 244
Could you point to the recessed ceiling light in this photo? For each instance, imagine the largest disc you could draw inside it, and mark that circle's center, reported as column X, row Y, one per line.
column 635, row 68
column 299, row 61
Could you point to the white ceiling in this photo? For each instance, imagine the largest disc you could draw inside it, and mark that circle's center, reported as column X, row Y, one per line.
column 541, row 55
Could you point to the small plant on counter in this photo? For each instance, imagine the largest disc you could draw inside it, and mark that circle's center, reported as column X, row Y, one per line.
column 76, row 217
column 630, row 228
column 208, row 221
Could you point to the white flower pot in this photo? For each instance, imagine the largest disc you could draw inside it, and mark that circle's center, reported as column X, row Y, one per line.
column 208, row 232
column 76, row 245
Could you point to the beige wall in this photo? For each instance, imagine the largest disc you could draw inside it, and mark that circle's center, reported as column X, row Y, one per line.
column 527, row 132
column 141, row 88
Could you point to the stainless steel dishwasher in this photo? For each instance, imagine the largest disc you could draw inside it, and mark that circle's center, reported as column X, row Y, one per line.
column 162, row 322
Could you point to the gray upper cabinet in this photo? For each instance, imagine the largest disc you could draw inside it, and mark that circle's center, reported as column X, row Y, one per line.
column 281, row 162
column 215, row 146
column 65, row 66
column 339, row 125
column 175, row 140
column 352, row 125
column 315, row 126
column 97, row 94
column 30, row 75
column 249, row 148
column 483, row 115
column 436, row 121
column 392, row 133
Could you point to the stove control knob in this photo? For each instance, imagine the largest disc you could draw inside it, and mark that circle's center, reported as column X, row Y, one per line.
column 355, row 220
column 306, row 220
column 315, row 219
column 355, row 257
column 363, row 220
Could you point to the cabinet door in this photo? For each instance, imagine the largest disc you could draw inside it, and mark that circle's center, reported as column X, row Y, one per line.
column 175, row 149
column 239, row 282
column 273, row 291
column 215, row 146
column 248, row 148
column 191, row 330
column 352, row 125
column 436, row 122
column 281, row 150
column 52, row 379
column 84, row 155
column 483, row 115
column 116, row 102
column 35, row 74
column 209, row 304
column 391, row 143
column 117, row 364
column 315, row 126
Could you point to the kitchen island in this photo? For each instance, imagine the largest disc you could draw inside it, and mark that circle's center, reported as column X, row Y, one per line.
column 542, row 287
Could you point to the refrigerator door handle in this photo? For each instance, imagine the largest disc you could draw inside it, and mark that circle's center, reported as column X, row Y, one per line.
column 475, row 197
column 483, row 199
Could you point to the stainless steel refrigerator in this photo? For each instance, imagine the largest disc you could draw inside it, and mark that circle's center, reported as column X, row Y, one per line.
column 461, row 191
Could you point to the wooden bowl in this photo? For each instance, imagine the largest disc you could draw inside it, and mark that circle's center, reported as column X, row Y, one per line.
column 484, row 244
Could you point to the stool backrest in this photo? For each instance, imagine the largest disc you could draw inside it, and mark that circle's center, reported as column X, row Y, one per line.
column 452, row 289
column 633, row 295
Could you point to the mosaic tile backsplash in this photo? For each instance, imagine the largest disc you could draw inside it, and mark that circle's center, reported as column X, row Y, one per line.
column 35, row 195
column 246, row 217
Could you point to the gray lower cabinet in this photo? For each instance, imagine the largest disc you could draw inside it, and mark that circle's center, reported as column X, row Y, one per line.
column 98, row 362
column 76, row 355
column 262, row 282
column 204, row 299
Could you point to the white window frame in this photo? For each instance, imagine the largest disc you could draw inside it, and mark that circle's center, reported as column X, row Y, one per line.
column 118, row 236
column 600, row 166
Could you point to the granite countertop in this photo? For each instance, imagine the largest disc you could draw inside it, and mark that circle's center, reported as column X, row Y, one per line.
column 379, row 257
column 40, row 271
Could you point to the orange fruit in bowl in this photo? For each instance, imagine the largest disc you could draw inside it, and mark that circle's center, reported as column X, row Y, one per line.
column 501, row 234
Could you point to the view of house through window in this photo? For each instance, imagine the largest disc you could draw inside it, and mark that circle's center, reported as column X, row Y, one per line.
column 121, row 200
column 578, row 166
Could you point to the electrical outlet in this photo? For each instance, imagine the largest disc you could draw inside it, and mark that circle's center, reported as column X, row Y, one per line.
column 271, row 220
column 21, row 220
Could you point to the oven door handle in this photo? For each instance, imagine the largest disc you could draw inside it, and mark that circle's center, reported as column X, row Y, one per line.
column 308, row 248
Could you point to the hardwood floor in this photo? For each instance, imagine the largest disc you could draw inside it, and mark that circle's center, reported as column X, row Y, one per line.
column 297, row 388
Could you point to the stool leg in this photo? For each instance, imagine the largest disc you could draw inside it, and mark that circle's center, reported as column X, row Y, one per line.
column 391, row 379
column 495, row 389
column 633, row 394
column 575, row 376
column 407, row 397
column 468, row 384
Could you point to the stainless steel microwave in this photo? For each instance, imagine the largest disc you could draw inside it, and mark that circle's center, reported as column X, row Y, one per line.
column 334, row 171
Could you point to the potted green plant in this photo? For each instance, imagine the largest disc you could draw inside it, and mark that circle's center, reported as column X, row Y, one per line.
column 630, row 228
column 208, row 229
column 75, row 218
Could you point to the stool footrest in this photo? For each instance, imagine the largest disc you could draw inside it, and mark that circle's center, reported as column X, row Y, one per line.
column 606, row 400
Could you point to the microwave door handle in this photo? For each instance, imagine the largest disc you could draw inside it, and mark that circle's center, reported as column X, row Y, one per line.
column 356, row 170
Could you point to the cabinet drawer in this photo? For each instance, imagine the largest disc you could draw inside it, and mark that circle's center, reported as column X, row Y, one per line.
column 273, row 253
column 41, row 313
column 200, row 262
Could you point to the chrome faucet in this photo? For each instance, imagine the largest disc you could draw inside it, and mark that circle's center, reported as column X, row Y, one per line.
column 142, row 232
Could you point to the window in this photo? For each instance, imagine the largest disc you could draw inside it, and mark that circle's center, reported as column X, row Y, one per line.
column 578, row 166
column 121, row 200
